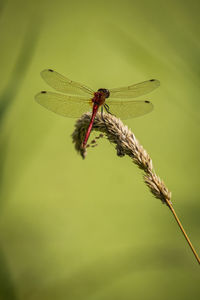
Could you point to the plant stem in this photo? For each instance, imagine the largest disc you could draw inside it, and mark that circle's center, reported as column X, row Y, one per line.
column 183, row 231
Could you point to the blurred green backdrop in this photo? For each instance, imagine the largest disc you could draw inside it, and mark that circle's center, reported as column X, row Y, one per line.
column 74, row 229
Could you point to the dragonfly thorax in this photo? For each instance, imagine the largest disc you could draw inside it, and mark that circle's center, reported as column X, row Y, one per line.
column 105, row 92
column 100, row 96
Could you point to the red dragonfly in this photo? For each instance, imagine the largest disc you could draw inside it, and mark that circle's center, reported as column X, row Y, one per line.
column 79, row 98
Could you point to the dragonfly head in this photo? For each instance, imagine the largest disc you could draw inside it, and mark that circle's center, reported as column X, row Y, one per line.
column 105, row 92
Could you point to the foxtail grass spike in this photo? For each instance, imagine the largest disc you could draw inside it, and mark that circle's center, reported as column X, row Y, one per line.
column 126, row 144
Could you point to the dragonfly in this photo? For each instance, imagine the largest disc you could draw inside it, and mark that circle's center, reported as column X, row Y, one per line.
column 76, row 99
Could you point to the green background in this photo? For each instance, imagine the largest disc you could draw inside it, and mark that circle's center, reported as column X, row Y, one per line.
column 74, row 229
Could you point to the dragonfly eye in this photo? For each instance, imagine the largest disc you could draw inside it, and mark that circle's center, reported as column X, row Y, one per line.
column 105, row 91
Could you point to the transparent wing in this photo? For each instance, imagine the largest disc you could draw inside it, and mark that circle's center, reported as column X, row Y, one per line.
column 62, row 84
column 135, row 90
column 129, row 109
column 64, row 105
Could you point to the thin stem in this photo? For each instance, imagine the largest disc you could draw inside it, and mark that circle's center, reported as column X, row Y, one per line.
column 183, row 231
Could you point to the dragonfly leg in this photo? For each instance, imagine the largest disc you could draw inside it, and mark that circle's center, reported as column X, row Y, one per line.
column 107, row 108
column 102, row 117
column 102, row 113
